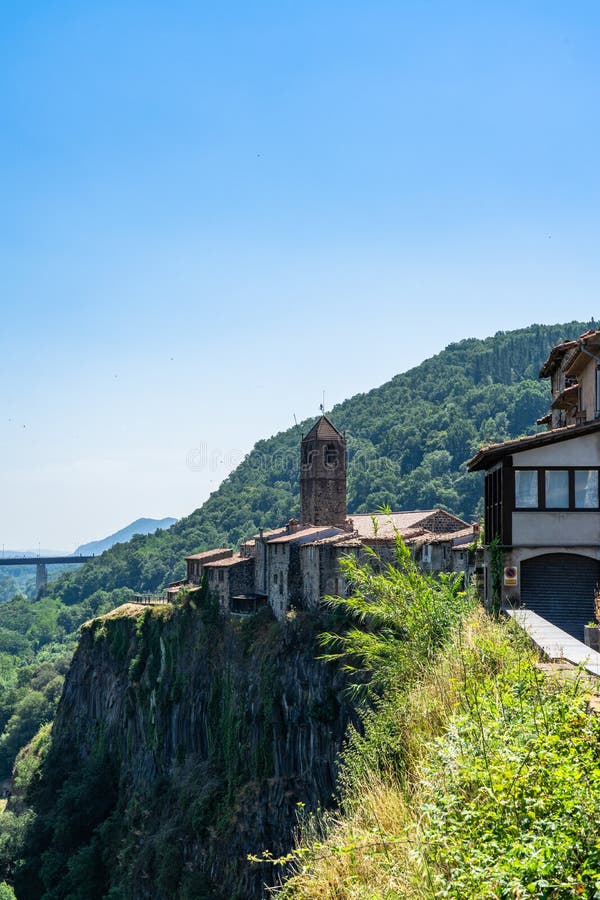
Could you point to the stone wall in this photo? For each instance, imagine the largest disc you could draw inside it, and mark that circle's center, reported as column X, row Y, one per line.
column 278, row 570
column 216, row 730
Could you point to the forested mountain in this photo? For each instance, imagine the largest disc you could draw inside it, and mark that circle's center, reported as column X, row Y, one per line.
column 140, row 526
column 408, row 441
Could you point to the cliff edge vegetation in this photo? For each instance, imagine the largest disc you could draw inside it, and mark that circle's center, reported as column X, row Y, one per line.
column 183, row 742
column 408, row 441
column 477, row 778
column 186, row 743
column 186, row 749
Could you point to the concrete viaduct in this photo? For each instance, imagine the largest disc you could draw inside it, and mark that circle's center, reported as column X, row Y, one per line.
column 41, row 563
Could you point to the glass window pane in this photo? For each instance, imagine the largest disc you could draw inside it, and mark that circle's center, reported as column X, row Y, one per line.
column 557, row 489
column 526, row 489
column 586, row 488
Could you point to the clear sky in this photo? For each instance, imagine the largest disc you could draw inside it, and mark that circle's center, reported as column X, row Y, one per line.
column 210, row 212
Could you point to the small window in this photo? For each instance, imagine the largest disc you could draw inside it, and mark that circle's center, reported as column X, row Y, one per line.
column 557, row 489
column 221, row 574
column 308, row 456
column 426, row 553
column 526, row 488
column 275, row 578
column 281, row 586
column 331, row 456
column 586, row 488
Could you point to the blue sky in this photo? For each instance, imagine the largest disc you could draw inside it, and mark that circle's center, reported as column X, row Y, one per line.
column 212, row 212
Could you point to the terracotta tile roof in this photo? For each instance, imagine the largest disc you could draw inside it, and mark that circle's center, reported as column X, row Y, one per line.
column 323, row 429
column 433, row 537
column 207, row 555
column 441, row 538
column 412, row 533
column 579, row 359
column 487, row 456
column 230, row 561
column 389, row 524
column 271, row 533
column 569, row 352
column 307, row 533
column 555, row 357
column 567, row 398
column 464, row 542
column 339, row 540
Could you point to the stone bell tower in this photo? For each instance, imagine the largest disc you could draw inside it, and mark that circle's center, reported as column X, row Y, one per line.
column 323, row 475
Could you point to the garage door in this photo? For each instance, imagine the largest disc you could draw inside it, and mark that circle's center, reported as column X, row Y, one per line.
column 560, row 587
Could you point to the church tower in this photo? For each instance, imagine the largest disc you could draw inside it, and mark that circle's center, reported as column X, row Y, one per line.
column 323, row 475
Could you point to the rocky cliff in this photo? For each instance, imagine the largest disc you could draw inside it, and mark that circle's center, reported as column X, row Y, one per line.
column 183, row 742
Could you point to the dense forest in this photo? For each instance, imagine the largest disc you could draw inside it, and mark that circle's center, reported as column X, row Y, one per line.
column 408, row 441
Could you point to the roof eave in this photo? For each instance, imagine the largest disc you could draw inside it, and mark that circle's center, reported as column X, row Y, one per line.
column 488, row 456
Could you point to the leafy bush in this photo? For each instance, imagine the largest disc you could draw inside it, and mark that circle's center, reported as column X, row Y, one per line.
column 400, row 617
column 520, row 769
column 477, row 776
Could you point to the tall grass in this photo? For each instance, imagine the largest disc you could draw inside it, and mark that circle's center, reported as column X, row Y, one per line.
column 476, row 775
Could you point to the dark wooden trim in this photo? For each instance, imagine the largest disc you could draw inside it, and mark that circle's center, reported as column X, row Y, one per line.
column 572, row 490
column 487, row 522
column 508, row 502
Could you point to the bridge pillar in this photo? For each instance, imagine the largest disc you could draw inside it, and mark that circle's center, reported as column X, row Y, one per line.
column 41, row 577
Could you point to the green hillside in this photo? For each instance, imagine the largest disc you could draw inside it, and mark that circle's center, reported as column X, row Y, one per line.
column 408, row 441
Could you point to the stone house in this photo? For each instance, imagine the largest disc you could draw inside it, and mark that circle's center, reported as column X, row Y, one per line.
column 297, row 564
column 320, row 567
column 278, row 562
column 229, row 578
column 197, row 562
column 573, row 368
column 430, row 534
column 542, row 499
column 445, row 551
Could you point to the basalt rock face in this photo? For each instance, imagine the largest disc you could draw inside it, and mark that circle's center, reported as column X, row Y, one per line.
column 189, row 740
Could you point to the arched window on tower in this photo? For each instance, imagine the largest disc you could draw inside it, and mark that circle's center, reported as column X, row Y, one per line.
column 308, row 455
column 331, row 456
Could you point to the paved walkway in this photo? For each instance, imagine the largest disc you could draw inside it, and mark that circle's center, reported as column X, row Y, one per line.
column 556, row 643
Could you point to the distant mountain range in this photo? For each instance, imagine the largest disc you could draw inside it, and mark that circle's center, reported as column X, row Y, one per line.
column 43, row 551
column 140, row 526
